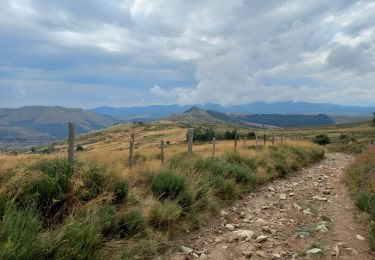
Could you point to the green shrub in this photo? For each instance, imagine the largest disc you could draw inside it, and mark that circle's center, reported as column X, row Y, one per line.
column 211, row 165
column 106, row 215
column 236, row 158
column 241, row 174
column 131, row 223
column 19, row 234
column 3, row 204
column 224, row 188
column 121, row 189
column 78, row 238
column 45, row 192
column 163, row 215
column 321, row 139
column 79, row 148
column 94, row 182
column 168, row 184
column 366, row 202
column 48, row 190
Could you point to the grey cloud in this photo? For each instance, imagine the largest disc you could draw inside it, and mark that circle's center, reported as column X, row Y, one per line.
column 351, row 58
column 196, row 51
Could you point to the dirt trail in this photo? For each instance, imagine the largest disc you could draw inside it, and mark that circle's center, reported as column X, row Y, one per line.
column 306, row 215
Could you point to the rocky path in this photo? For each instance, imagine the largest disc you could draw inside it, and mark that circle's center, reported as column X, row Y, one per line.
column 307, row 215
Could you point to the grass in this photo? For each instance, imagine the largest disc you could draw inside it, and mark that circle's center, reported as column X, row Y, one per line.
column 360, row 179
column 99, row 208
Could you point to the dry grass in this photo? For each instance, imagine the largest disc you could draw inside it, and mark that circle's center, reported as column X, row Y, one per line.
column 201, row 195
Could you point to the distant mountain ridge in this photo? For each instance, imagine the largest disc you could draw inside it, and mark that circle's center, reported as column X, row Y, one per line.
column 196, row 116
column 287, row 107
column 42, row 122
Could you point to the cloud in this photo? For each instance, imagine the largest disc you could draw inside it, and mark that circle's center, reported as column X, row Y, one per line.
column 351, row 58
column 125, row 52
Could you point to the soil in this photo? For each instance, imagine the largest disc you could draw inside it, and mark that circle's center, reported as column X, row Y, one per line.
column 309, row 214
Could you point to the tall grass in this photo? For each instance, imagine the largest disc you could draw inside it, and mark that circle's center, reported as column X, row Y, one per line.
column 19, row 233
column 360, row 179
column 87, row 207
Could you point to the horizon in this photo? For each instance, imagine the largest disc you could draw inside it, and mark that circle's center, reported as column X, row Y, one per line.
column 128, row 53
column 187, row 105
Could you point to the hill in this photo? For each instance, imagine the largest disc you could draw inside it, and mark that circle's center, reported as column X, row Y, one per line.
column 288, row 107
column 196, row 116
column 41, row 121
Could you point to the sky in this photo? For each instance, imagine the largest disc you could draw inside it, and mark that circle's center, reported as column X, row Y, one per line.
column 90, row 53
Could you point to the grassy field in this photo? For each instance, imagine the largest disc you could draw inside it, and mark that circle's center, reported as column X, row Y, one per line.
column 100, row 208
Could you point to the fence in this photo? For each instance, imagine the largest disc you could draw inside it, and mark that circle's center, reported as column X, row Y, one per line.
column 270, row 137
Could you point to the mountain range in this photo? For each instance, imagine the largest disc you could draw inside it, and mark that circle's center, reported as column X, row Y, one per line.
column 197, row 116
column 288, row 107
column 43, row 122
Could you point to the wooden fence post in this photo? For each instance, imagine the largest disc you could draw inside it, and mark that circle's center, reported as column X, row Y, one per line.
column 235, row 141
column 273, row 138
column 256, row 141
column 162, row 151
column 71, row 142
column 213, row 146
column 131, row 149
column 282, row 136
column 244, row 142
column 190, row 141
column 264, row 139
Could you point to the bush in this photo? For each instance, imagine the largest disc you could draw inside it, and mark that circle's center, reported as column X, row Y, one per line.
column 121, row 189
column 131, row 223
column 321, row 139
column 236, row 158
column 211, row 165
column 78, row 238
column 79, row 148
column 19, row 234
column 94, row 182
column 168, row 184
column 225, row 189
column 366, row 202
column 48, row 190
column 163, row 215
column 241, row 174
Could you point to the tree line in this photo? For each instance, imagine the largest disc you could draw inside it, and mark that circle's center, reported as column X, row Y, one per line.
column 207, row 134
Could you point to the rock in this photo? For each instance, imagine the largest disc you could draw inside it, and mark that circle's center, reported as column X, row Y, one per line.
column 307, row 212
column 359, row 237
column 266, row 229
column 223, row 213
column 315, row 251
column 261, row 222
column 291, row 194
column 203, row 256
column 276, row 256
column 262, row 254
column 271, row 189
column 282, row 196
column 186, row 249
column 217, row 240
column 243, row 234
column 261, row 239
column 326, row 192
column 322, row 228
column 318, row 198
column 296, row 206
column 247, row 254
column 229, row 227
